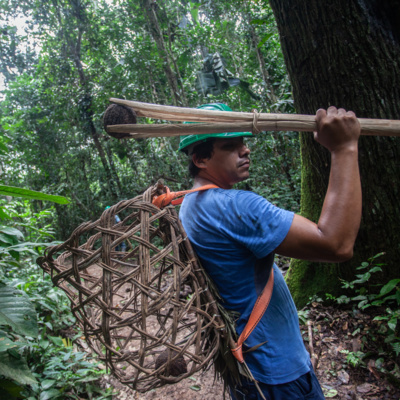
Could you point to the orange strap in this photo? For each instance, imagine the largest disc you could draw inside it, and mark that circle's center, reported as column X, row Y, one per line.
column 258, row 311
column 169, row 198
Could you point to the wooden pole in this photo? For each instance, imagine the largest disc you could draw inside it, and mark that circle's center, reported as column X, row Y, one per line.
column 226, row 121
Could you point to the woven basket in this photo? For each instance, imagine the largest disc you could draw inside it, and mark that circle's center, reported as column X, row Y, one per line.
column 131, row 306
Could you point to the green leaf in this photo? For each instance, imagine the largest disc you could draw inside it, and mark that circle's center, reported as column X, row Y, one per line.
column 57, row 341
column 6, row 239
column 16, row 369
column 362, row 278
column 375, row 269
column 264, row 39
column 359, row 298
column 67, row 356
column 14, row 353
column 31, row 194
column 380, row 318
column 330, row 393
column 17, row 311
column 392, row 324
column 396, row 348
column 3, row 214
column 377, row 255
column 194, row 12
column 6, row 344
column 22, row 247
column 14, row 254
column 9, row 390
column 389, row 287
column 195, row 387
column 12, row 231
column 44, row 344
column 47, row 383
column 398, row 296
column 50, row 394
column 258, row 22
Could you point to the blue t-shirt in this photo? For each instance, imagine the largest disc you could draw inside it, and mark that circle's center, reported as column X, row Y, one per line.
column 234, row 234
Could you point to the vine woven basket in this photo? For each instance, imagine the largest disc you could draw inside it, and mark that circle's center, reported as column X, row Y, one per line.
column 131, row 306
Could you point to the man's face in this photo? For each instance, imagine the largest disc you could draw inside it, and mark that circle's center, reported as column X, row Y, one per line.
column 229, row 163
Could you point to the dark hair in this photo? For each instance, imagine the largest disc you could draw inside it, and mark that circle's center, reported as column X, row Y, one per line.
column 202, row 150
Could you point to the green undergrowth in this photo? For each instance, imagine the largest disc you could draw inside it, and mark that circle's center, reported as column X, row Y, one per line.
column 380, row 341
column 38, row 361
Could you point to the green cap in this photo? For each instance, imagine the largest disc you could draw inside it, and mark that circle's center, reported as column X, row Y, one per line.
column 189, row 140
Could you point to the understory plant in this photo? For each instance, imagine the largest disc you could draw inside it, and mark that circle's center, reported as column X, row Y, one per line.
column 38, row 360
column 383, row 301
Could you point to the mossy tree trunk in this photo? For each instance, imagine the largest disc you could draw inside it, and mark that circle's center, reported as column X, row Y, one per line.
column 346, row 53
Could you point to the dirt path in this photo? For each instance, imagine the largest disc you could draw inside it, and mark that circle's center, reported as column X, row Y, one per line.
column 200, row 386
column 332, row 333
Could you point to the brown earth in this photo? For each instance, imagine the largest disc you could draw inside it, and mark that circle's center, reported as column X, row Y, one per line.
column 332, row 330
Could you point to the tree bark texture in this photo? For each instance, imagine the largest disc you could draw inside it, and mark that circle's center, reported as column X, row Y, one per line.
column 346, row 53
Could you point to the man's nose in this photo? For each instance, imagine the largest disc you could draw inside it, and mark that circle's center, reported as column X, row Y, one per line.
column 244, row 150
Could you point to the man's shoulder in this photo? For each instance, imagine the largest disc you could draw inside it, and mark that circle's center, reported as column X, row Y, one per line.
column 224, row 196
column 236, row 193
column 245, row 197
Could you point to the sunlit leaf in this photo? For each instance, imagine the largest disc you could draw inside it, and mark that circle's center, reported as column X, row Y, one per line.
column 31, row 194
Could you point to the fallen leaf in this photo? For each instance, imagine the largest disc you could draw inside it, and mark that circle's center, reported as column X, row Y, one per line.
column 364, row 388
column 372, row 369
column 356, row 345
column 331, row 393
column 343, row 377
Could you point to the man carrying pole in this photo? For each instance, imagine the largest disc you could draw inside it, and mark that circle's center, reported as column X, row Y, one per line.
column 236, row 234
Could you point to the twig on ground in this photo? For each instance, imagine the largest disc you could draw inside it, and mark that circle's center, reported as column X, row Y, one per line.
column 310, row 343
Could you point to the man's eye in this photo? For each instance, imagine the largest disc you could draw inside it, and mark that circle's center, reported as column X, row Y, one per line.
column 228, row 147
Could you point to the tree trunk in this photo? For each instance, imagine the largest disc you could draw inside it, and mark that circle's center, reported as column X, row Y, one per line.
column 87, row 117
column 158, row 37
column 271, row 96
column 346, row 53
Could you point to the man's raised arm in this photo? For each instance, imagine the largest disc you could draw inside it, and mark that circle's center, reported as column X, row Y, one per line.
column 332, row 238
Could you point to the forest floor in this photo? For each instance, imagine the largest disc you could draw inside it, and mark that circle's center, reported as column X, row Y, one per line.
column 339, row 337
column 332, row 332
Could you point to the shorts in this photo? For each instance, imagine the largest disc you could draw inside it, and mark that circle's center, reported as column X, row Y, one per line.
column 305, row 387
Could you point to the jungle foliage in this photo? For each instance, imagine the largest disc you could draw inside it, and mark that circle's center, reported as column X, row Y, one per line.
column 65, row 59
column 60, row 62
column 39, row 358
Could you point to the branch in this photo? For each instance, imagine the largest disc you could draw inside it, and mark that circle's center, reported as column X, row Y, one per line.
column 226, row 121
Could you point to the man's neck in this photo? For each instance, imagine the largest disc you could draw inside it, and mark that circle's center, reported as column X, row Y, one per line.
column 202, row 180
column 199, row 181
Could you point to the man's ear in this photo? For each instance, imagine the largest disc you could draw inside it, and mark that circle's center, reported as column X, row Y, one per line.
column 199, row 162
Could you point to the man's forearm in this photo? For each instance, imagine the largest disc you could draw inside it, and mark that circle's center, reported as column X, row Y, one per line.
column 332, row 239
column 341, row 212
